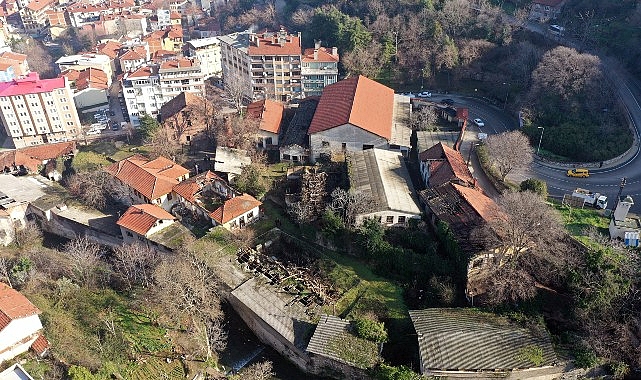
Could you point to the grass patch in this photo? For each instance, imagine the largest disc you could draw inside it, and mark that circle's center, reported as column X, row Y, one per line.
column 89, row 161
column 577, row 220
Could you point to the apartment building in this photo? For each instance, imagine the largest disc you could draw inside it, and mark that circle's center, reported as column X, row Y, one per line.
column 320, row 69
column 207, row 51
column 263, row 65
column 80, row 62
column 164, row 18
column 34, row 16
column 149, row 87
column 86, row 12
column 38, row 111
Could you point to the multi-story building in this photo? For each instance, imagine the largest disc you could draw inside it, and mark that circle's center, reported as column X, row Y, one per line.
column 17, row 61
column 320, row 69
column 34, row 16
column 164, row 18
column 265, row 65
column 38, row 111
column 86, row 12
column 180, row 75
column 80, row 62
column 207, row 51
column 149, row 87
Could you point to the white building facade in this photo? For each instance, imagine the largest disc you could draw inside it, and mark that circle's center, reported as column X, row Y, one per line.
column 207, row 51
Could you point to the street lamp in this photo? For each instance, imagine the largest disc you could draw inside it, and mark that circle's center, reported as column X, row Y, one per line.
column 507, row 92
column 540, row 139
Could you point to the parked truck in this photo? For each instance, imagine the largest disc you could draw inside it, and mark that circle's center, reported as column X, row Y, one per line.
column 597, row 200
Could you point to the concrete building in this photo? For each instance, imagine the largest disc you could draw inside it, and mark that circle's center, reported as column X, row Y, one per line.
column 80, row 62
column 237, row 212
column 17, row 61
column 149, row 87
column 141, row 222
column 20, row 326
column 149, row 181
column 38, row 111
column 357, row 114
column 625, row 226
column 262, row 66
column 34, row 16
column 269, row 114
column 90, row 89
column 7, row 72
column 381, row 177
column 546, row 10
column 87, row 12
column 207, row 51
column 164, row 18
column 319, row 69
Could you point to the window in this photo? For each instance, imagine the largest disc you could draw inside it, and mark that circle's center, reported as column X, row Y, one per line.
column 129, row 234
column 389, row 219
column 344, row 146
column 250, row 215
column 169, row 197
column 325, row 144
column 401, row 219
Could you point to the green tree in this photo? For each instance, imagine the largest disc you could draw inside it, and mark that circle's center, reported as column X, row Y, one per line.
column 252, row 181
column 148, row 126
column 336, row 28
column 535, row 185
column 371, row 330
column 388, row 372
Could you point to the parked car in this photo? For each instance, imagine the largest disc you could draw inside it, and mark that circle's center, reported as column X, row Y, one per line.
column 115, row 126
column 479, row 123
column 581, row 173
column 425, row 94
column 449, row 102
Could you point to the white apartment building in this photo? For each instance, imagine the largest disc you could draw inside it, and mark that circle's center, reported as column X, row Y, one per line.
column 37, row 111
column 87, row 12
column 80, row 62
column 207, row 51
column 149, row 87
column 320, row 69
column 264, row 65
column 34, row 16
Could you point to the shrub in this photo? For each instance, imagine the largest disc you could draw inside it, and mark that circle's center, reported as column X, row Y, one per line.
column 370, row 330
column 532, row 354
column 388, row 372
column 535, row 185
column 585, row 358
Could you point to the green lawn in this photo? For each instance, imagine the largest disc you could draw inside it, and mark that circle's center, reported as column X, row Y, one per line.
column 577, row 220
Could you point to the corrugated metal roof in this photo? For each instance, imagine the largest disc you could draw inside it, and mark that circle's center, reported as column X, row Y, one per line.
column 383, row 175
column 470, row 340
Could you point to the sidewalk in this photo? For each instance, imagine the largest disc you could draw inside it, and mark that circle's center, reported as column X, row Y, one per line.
column 469, row 141
column 596, row 167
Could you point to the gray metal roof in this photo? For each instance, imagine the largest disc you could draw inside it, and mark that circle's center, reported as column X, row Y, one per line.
column 401, row 132
column 427, row 139
column 230, row 160
column 238, row 40
column 470, row 340
column 202, row 42
column 329, row 327
column 383, row 175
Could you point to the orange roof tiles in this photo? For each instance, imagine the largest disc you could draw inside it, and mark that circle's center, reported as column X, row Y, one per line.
column 234, row 207
column 92, row 78
column 193, row 185
column 174, row 16
column 141, row 72
column 36, row 5
column 13, row 305
column 40, row 345
column 178, row 103
column 453, row 165
column 269, row 112
column 324, row 55
column 269, row 44
column 141, row 218
column 359, row 101
column 482, row 204
column 131, row 55
column 109, row 48
column 152, row 179
column 176, row 64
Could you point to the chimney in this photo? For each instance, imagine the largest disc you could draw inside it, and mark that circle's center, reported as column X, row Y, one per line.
column 334, row 51
column 317, row 44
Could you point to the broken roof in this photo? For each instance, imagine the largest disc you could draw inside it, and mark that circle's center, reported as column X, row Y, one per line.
column 296, row 133
column 446, row 165
column 471, row 340
column 270, row 113
column 359, row 101
column 382, row 174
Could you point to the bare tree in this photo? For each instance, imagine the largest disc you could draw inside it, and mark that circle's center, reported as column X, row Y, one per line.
column 97, row 189
column 509, row 151
column 186, row 289
column 349, row 204
column 364, row 60
column 135, row 264
column 256, row 371
column 5, row 271
column 238, row 132
column 163, row 143
column 425, row 119
column 86, row 261
column 26, row 235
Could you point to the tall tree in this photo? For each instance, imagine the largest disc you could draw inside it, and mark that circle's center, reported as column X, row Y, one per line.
column 509, row 151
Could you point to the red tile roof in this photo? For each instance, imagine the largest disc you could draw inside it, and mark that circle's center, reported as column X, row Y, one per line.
column 91, row 78
column 161, row 54
column 269, row 112
column 40, row 345
column 109, row 48
column 193, row 185
column 13, row 305
column 482, row 204
column 176, row 64
column 268, row 44
column 141, row 218
column 31, row 84
column 131, row 55
column 359, row 101
column 36, row 5
column 234, row 208
column 14, row 56
column 141, row 72
column 447, row 165
column 175, row 16
column 152, row 179
column 71, row 74
column 324, row 55
column 178, row 103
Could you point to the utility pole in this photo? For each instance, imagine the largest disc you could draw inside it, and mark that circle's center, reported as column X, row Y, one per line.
column 616, row 203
